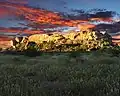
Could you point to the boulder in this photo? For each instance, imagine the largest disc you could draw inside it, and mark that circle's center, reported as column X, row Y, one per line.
column 38, row 38
column 17, row 42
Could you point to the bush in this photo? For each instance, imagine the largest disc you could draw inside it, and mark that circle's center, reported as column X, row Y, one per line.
column 114, row 50
column 32, row 49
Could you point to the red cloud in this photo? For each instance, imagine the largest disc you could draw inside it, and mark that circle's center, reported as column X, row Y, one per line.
column 3, row 12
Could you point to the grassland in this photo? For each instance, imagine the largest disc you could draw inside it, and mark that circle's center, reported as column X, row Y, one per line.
column 60, row 74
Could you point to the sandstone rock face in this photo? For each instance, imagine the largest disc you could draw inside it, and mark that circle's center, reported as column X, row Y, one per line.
column 105, row 36
column 15, row 42
column 70, row 35
column 87, row 39
column 83, row 40
column 38, row 38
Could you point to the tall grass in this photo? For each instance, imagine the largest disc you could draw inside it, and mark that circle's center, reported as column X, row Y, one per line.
column 60, row 74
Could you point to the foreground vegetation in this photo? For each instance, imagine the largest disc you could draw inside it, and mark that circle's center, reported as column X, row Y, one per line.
column 95, row 73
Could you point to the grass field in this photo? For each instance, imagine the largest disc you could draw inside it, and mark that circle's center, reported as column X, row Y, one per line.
column 60, row 74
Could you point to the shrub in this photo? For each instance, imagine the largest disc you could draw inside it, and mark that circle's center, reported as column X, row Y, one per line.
column 115, row 50
column 32, row 49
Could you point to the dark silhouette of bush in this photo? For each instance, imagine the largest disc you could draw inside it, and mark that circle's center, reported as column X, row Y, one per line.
column 32, row 49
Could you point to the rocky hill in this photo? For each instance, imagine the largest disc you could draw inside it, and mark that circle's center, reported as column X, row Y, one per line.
column 70, row 41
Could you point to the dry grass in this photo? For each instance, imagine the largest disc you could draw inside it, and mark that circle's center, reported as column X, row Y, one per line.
column 60, row 74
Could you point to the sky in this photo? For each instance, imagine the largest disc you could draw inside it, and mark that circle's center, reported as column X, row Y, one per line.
column 112, row 5
column 60, row 5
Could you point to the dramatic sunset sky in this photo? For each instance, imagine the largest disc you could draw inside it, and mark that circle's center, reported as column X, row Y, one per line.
column 56, row 5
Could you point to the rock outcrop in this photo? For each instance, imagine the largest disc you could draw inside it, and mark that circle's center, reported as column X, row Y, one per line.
column 17, row 42
column 70, row 41
column 85, row 40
